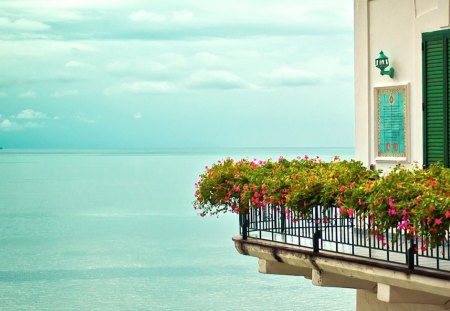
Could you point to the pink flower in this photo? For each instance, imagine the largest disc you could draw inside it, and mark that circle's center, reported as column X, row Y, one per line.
column 391, row 202
column 350, row 212
column 392, row 212
column 403, row 225
column 438, row 221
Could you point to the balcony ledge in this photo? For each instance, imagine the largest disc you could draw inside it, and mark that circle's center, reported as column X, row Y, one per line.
column 377, row 283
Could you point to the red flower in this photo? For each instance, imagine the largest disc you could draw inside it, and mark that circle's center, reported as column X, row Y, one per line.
column 342, row 189
column 438, row 221
column 447, row 214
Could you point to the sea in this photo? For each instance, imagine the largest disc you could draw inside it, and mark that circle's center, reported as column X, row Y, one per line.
column 116, row 230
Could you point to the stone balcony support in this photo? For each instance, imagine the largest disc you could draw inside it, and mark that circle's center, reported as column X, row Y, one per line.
column 381, row 286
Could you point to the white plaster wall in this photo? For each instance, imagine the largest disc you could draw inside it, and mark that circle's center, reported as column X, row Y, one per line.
column 395, row 27
column 367, row 301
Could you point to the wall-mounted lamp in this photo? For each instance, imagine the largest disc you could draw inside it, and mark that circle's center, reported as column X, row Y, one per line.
column 382, row 62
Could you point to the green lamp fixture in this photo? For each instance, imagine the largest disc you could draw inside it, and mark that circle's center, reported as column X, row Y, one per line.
column 382, row 62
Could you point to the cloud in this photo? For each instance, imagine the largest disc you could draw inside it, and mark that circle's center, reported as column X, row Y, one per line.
column 143, row 87
column 138, row 115
column 289, row 76
column 22, row 25
column 30, row 114
column 75, row 64
column 210, row 59
column 58, row 4
column 8, row 125
column 182, row 16
column 65, row 93
column 84, row 119
column 222, row 80
column 146, row 16
column 131, row 68
column 28, row 94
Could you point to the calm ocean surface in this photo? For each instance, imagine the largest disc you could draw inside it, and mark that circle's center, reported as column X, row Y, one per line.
column 94, row 230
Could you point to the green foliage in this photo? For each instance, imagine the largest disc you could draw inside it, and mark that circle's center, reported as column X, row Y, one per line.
column 414, row 200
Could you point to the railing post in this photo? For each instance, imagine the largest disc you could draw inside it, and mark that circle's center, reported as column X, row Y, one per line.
column 410, row 254
column 244, row 225
column 317, row 233
column 283, row 219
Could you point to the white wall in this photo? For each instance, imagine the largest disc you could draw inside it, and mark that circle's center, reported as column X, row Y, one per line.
column 395, row 27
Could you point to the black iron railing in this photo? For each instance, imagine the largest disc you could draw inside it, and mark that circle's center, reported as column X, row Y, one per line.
column 325, row 230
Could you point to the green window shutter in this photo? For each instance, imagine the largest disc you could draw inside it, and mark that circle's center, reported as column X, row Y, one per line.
column 435, row 95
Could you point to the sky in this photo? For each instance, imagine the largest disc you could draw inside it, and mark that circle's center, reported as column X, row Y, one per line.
column 148, row 74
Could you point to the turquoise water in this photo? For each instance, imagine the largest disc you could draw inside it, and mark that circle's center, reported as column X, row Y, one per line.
column 93, row 230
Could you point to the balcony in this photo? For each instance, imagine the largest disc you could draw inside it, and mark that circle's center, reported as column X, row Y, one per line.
column 341, row 224
column 390, row 272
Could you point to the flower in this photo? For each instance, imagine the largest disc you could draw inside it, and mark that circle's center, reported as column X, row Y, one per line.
column 414, row 199
column 391, row 202
column 447, row 214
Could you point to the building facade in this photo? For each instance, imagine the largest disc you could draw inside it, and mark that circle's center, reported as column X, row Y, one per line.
column 404, row 118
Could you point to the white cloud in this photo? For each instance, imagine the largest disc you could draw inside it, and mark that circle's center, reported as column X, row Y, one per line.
column 146, row 16
column 7, row 125
column 58, row 4
column 28, row 94
column 216, row 80
column 65, row 93
column 31, row 114
column 143, row 87
column 22, row 24
column 138, row 115
column 182, row 16
column 207, row 58
column 75, row 64
column 84, row 119
column 133, row 67
column 289, row 76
